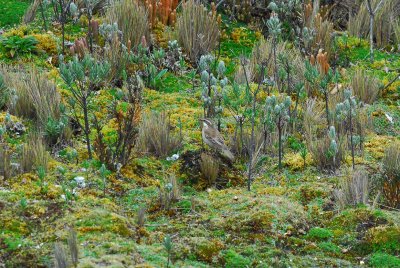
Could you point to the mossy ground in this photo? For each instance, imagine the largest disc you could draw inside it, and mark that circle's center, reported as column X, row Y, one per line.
column 287, row 220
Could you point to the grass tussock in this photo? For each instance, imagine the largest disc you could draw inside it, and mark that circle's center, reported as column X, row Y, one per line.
column 358, row 24
column 33, row 153
column 354, row 190
column 391, row 170
column 209, row 168
column 156, row 136
column 197, row 30
column 132, row 20
column 366, row 88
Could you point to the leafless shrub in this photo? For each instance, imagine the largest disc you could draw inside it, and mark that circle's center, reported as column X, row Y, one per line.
column 209, row 168
column 197, row 30
column 391, row 172
column 155, row 135
column 365, row 88
column 354, row 190
column 60, row 256
column 33, row 154
column 73, row 246
column 132, row 20
column 383, row 31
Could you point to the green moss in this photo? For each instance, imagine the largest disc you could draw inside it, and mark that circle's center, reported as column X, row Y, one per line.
column 385, row 239
column 329, row 247
column 235, row 260
column 382, row 260
column 318, row 233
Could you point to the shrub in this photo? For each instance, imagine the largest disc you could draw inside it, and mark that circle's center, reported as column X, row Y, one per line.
column 391, row 170
column 354, row 190
column 365, row 88
column 155, row 135
column 33, row 153
column 131, row 18
column 197, row 30
column 209, row 168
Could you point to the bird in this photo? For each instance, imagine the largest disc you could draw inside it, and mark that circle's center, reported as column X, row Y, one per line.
column 214, row 139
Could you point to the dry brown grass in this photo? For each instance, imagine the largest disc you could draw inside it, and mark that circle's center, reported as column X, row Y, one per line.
column 132, row 20
column 365, row 87
column 155, row 135
column 209, row 168
column 197, row 30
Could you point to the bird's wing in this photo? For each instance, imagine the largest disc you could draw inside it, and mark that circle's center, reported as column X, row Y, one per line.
column 215, row 137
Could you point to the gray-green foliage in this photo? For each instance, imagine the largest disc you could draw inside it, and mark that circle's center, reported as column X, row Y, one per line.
column 82, row 77
column 346, row 111
column 278, row 113
column 213, row 86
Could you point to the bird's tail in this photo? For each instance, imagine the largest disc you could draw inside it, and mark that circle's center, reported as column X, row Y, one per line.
column 228, row 154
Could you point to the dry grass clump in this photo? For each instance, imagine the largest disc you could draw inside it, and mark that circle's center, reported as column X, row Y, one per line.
column 155, row 135
column 354, row 190
column 391, row 170
column 43, row 95
column 36, row 97
column 383, row 28
column 5, row 162
column 209, row 168
column 33, row 154
column 197, row 30
column 132, row 20
column 320, row 30
column 365, row 87
column 319, row 142
column 170, row 194
column 322, row 157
